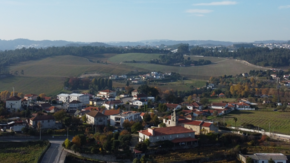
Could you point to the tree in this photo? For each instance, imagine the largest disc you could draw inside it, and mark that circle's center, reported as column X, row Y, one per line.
column 235, row 119
column 183, row 49
column 84, row 119
column 215, row 113
column 155, row 120
column 67, row 143
column 77, row 140
column 107, row 145
column 141, row 146
column 136, row 127
column 162, row 125
column 136, row 160
column 249, row 160
column 42, row 95
column 147, row 117
column 126, row 124
column 59, row 115
column 124, row 132
column 271, row 161
column 147, row 142
column 204, row 101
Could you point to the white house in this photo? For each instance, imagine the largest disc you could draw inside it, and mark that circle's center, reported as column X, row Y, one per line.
column 47, row 121
column 179, row 135
column 265, row 157
column 30, row 97
column 219, row 105
column 96, row 118
column 106, row 93
column 194, row 105
column 13, row 102
column 112, row 104
column 139, row 102
column 83, row 98
column 134, row 93
column 243, row 106
column 118, row 119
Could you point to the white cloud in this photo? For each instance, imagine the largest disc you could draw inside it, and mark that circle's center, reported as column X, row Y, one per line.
column 222, row 3
column 198, row 11
column 287, row 6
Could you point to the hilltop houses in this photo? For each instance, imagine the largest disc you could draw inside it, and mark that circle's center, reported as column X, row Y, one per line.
column 13, row 103
column 83, row 98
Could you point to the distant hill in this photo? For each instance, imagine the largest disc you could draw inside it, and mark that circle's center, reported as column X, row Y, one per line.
column 25, row 43
column 172, row 42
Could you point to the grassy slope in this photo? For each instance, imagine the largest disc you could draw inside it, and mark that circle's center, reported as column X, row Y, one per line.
column 220, row 66
column 47, row 75
column 280, row 121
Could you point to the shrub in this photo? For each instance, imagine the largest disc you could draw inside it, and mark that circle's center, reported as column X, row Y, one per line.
column 74, row 148
column 94, row 150
column 67, row 143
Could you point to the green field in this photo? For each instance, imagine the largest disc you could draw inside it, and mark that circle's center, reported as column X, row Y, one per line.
column 220, row 66
column 222, row 99
column 279, row 121
column 47, row 75
column 16, row 152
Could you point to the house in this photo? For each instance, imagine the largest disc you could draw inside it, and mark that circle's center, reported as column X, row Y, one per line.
column 108, row 113
column 264, row 157
column 194, row 105
column 243, row 106
column 113, row 104
column 75, row 104
column 221, row 95
column 118, row 119
column 139, row 103
column 83, row 98
column 210, row 86
column 134, row 93
column 30, row 97
column 198, row 126
column 13, row 103
column 178, row 135
column 245, row 74
column 45, row 105
column 173, row 106
column 219, row 105
column 47, row 121
column 139, row 97
column 52, row 109
column 96, row 118
column 17, row 126
column 91, row 108
column 106, row 93
column 97, row 102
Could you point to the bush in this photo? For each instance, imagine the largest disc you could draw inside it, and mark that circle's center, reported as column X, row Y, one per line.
column 94, row 150
column 67, row 143
column 75, row 148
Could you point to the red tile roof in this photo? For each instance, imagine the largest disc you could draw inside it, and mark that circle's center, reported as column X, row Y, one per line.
column 206, row 124
column 106, row 90
column 242, row 104
column 172, row 105
column 167, row 131
column 179, row 140
column 112, row 112
column 90, row 108
column 219, row 104
column 196, row 123
column 30, row 95
column 196, row 104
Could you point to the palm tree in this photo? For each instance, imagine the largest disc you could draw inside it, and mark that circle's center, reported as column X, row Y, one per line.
column 235, row 119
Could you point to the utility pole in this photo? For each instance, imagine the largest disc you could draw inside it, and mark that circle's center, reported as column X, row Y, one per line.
column 269, row 130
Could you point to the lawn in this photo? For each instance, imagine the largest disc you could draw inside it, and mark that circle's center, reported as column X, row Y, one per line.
column 24, row 152
column 220, row 66
column 279, row 121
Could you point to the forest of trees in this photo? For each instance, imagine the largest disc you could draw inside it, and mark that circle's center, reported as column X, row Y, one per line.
column 178, row 58
column 9, row 57
column 93, row 85
column 258, row 56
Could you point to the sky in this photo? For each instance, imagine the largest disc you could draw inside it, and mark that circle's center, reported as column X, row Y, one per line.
column 137, row 20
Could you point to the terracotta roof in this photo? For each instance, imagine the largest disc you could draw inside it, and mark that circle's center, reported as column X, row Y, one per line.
column 96, row 114
column 196, row 123
column 187, row 111
column 90, row 108
column 106, row 90
column 42, row 117
column 242, row 104
column 111, row 112
column 221, row 94
column 172, row 105
column 137, row 151
column 13, row 98
column 167, row 131
column 179, row 140
column 196, row 104
column 30, row 95
column 206, row 124
column 219, row 104
column 51, row 108
column 47, row 98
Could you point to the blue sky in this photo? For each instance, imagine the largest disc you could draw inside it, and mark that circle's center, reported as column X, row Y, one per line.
column 135, row 20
